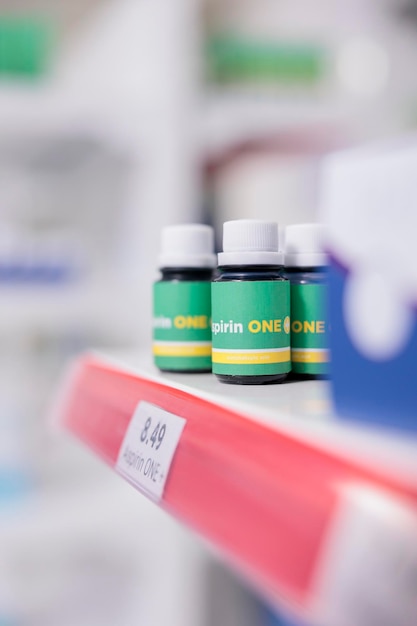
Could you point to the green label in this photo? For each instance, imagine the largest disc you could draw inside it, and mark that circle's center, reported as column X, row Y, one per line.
column 181, row 325
column 251, row 327
column 309, row 329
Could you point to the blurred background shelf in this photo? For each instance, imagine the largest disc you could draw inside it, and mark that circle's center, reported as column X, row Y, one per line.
column 84, row 307
column 55, row 543
column 231, row 119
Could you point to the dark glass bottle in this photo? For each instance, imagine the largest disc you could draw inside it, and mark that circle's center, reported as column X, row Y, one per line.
column 182, row 300
column 185, row 274
column 250, row 307
column 306, row 270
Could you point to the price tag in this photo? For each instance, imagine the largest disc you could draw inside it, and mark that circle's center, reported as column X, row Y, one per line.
column 148, row 448
column 368, row 570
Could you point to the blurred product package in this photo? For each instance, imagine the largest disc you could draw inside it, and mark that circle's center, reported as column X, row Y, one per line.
column 60, row 197
column 258, row 47
column 368, row 200
column 26, row 44
column 237, row 60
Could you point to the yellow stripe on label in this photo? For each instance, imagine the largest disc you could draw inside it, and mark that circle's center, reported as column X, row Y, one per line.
column 251, row 357
column 310, row 356
column 184, row 349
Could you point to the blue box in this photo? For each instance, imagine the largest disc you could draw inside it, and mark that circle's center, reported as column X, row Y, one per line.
column 369, row 206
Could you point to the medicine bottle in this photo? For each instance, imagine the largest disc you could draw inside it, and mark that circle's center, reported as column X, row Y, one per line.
column 250, row 306
column 182, row 299
column 305, row 267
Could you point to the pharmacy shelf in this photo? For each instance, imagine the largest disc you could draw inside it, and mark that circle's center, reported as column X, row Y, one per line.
column 228, row 119
column 57, row 307
column 53, row 539
column 287, row 492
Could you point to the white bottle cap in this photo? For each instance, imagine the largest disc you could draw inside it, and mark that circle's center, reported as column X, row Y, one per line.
column 304, row 246
column 187, row 245
column 250, row 242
